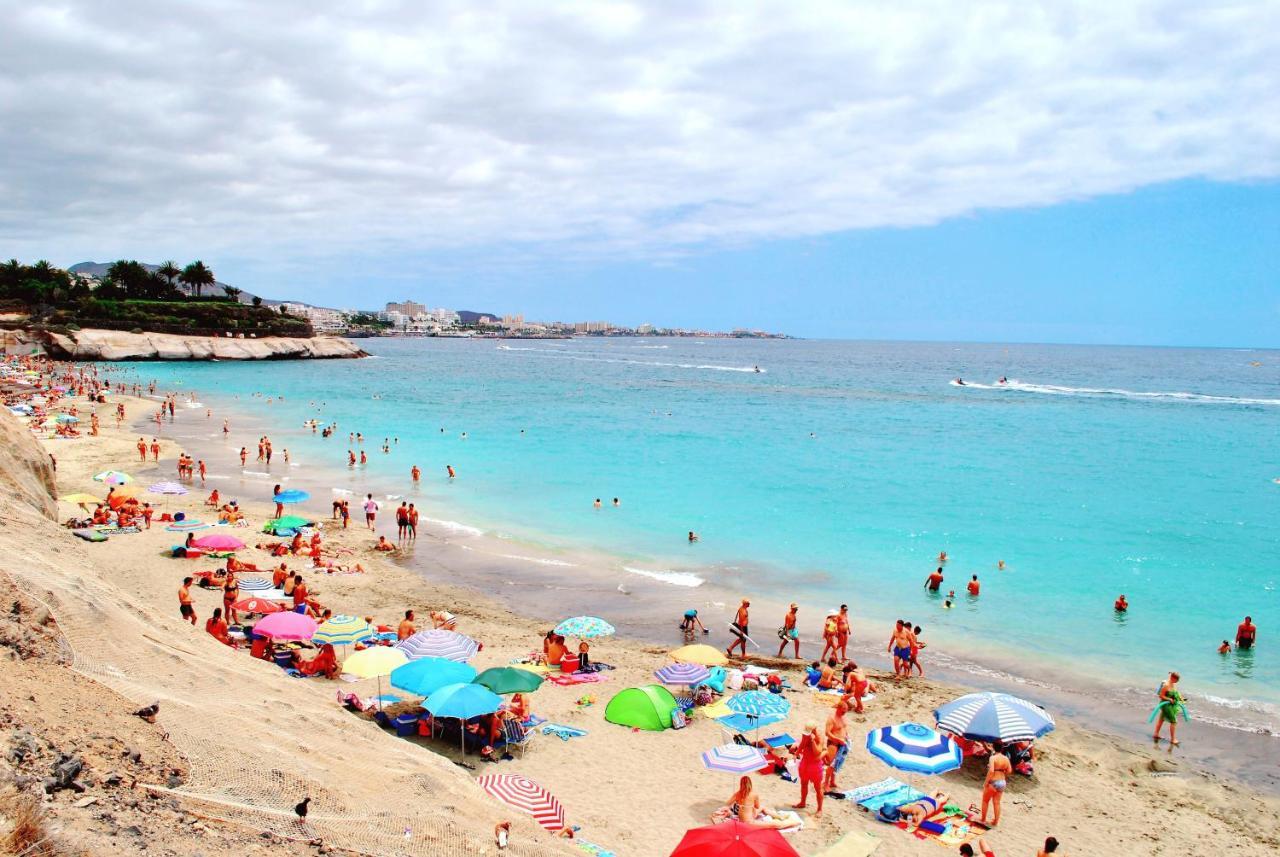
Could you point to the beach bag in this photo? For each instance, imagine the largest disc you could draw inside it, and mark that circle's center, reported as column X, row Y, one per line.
column 750, row 682
column 734, row 679
column 678, row 720
column 179, row 516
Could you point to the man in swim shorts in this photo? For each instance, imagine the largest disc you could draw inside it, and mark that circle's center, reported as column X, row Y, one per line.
column 933, row 582
column 788, row 632
column 185, row 605
column 900, row 646
column 1246, row 633
column 370, row 511
column 739, row 629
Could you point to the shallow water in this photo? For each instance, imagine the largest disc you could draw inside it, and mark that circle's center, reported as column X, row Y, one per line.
column 838, row 473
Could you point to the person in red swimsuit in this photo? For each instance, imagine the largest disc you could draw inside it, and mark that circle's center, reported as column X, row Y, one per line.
column 811, row 749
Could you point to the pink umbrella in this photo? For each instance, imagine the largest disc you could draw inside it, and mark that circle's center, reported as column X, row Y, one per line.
column 286, row 626
column 218, row 542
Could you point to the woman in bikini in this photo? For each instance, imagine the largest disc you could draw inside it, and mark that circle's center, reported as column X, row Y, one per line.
column 999, row 769
column 745, row 806
column 918, row 810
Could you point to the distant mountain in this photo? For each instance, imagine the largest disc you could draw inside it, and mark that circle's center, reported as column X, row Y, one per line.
column 99, row 269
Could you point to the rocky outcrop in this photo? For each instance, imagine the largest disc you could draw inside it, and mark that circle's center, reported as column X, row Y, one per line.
column 26, row 474
column 89, row 344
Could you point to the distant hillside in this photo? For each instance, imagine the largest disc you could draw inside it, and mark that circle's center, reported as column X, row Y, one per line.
column 467, row 316
column 99, row 269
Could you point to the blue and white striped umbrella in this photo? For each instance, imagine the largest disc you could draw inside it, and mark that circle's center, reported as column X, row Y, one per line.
column 748, row 722
column 167, row 488
column 438, row 643
column 254, row 584
column 733, row 759
column 585, row 628
column 683, row 674
column 994, row 717
column 916, row 748
column 757, row 703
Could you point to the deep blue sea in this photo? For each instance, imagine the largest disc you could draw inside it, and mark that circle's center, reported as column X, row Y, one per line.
column 841, row 469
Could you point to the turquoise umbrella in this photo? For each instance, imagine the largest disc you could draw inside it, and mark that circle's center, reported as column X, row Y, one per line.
column 509, row 680
column 462, row 702
column 425, row 676
column 585, row 627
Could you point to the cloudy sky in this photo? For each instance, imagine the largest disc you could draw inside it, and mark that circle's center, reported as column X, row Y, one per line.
column 840, row 169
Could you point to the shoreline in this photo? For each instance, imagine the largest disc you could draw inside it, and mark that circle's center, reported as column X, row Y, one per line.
column 646, row 609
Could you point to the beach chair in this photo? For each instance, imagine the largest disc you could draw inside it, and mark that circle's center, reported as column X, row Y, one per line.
column 516, row 735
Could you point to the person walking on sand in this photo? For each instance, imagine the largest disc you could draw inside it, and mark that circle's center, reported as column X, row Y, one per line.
column 999, row 770
column 155, row 449
column 740, row 629
column 837, row 735
column 788, row 633
column 370, row 511
column 142, row 450
column 402, row 520
column 186, row 608
column 1171, row 704
column 413, row 523
column 842, row 632
column 900, row 646
column 244, row 455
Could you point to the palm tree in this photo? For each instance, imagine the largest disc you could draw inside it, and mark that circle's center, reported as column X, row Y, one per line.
column 232, row 292
column 197, row 276
column 170, row 271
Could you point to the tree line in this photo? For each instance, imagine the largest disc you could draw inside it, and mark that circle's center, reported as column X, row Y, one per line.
column 126, row 279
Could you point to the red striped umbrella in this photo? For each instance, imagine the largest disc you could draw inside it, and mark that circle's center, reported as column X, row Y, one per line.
column 733, row 839
column 256, row 605
column 523, row 794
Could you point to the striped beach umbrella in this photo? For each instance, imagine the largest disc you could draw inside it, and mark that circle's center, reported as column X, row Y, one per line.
column 685, row 674
column 113, row 477
column 733, row 759
column 524, row 795
column 438, row 643
column 187, row 526
column 256, row 605
column 994, row 717
column 167, row 488
column 585, row 628
column 286, row 626
column 915, row 748
column 344, row 630
column 254, row 584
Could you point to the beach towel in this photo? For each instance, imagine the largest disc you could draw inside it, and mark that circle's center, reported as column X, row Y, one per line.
column 590, row 848
column 89, row 535
column 564, row 733
column 568, row 679
column 108, row 530
column 893, row 797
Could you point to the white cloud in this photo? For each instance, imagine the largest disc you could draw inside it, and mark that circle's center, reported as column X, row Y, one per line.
column 602, row 127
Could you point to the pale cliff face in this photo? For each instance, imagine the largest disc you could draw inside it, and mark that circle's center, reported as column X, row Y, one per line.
column 26, row 475
column 90, row 344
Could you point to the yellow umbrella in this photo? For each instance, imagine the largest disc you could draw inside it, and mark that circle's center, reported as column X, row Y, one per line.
column 374, row 662
column 80, row 499
column 708, row 656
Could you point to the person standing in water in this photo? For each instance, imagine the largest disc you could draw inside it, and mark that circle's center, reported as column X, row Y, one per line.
column 1246, row 634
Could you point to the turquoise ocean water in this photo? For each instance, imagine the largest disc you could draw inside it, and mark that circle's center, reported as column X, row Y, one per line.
column 841, row 469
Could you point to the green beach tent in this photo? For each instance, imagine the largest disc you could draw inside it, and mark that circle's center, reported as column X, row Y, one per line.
column 288, row 522
column 647, row 707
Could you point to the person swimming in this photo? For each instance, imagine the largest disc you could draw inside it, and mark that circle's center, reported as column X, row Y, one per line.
column 757, row 370
column 959, row 382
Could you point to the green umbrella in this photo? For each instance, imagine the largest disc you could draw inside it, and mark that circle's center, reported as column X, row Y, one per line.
column 509, row 680
column 288, row 522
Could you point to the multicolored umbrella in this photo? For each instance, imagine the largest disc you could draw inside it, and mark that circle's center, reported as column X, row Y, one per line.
column 916, row 748
column 462, row 701
column 994, row 717
column 756, row 703
column 256, row 605
column 218, row 542
column 733, row 839
column 344, row 631
column 438, row 643
column 66, row 418
column 683, row 674
column 509, row 680
column 292, row 495
column 187, row 526
column 700, row 653
column 733, row 759
column 113, row 477
column 286, row 626
column 167, row 488
column 425, row 676
column 748, row 722
column 524, row 795
column 585, row 628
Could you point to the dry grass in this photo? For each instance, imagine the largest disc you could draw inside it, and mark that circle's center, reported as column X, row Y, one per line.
column 29, row 834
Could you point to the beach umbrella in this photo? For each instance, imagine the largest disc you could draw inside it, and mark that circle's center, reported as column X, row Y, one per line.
column 373, row 662
column 288, row 522
column 67, row 418
column 438, row 643
column 732, row 838
column 994, row 717
column 80, row 499
column 509, row 680
column 915, row 748
column 733, row 759
column 218, row 542
column 344, row 630
column 425, row 676
column 462, row 701
column 167, row 488
column 186, row 526
column 585, row 628
column 256, row 605
column 524, row 795
column 756, row 703
column 291, row 495
column 113, row 477
column 286, row 626
column 687, row 674
column 700, row 653
column 747, row 722
column 254, row 584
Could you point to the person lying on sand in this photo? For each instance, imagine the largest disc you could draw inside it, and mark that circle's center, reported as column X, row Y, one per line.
column 918, row 810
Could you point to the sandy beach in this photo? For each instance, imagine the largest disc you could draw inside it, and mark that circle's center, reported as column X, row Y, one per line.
column 246, row 740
